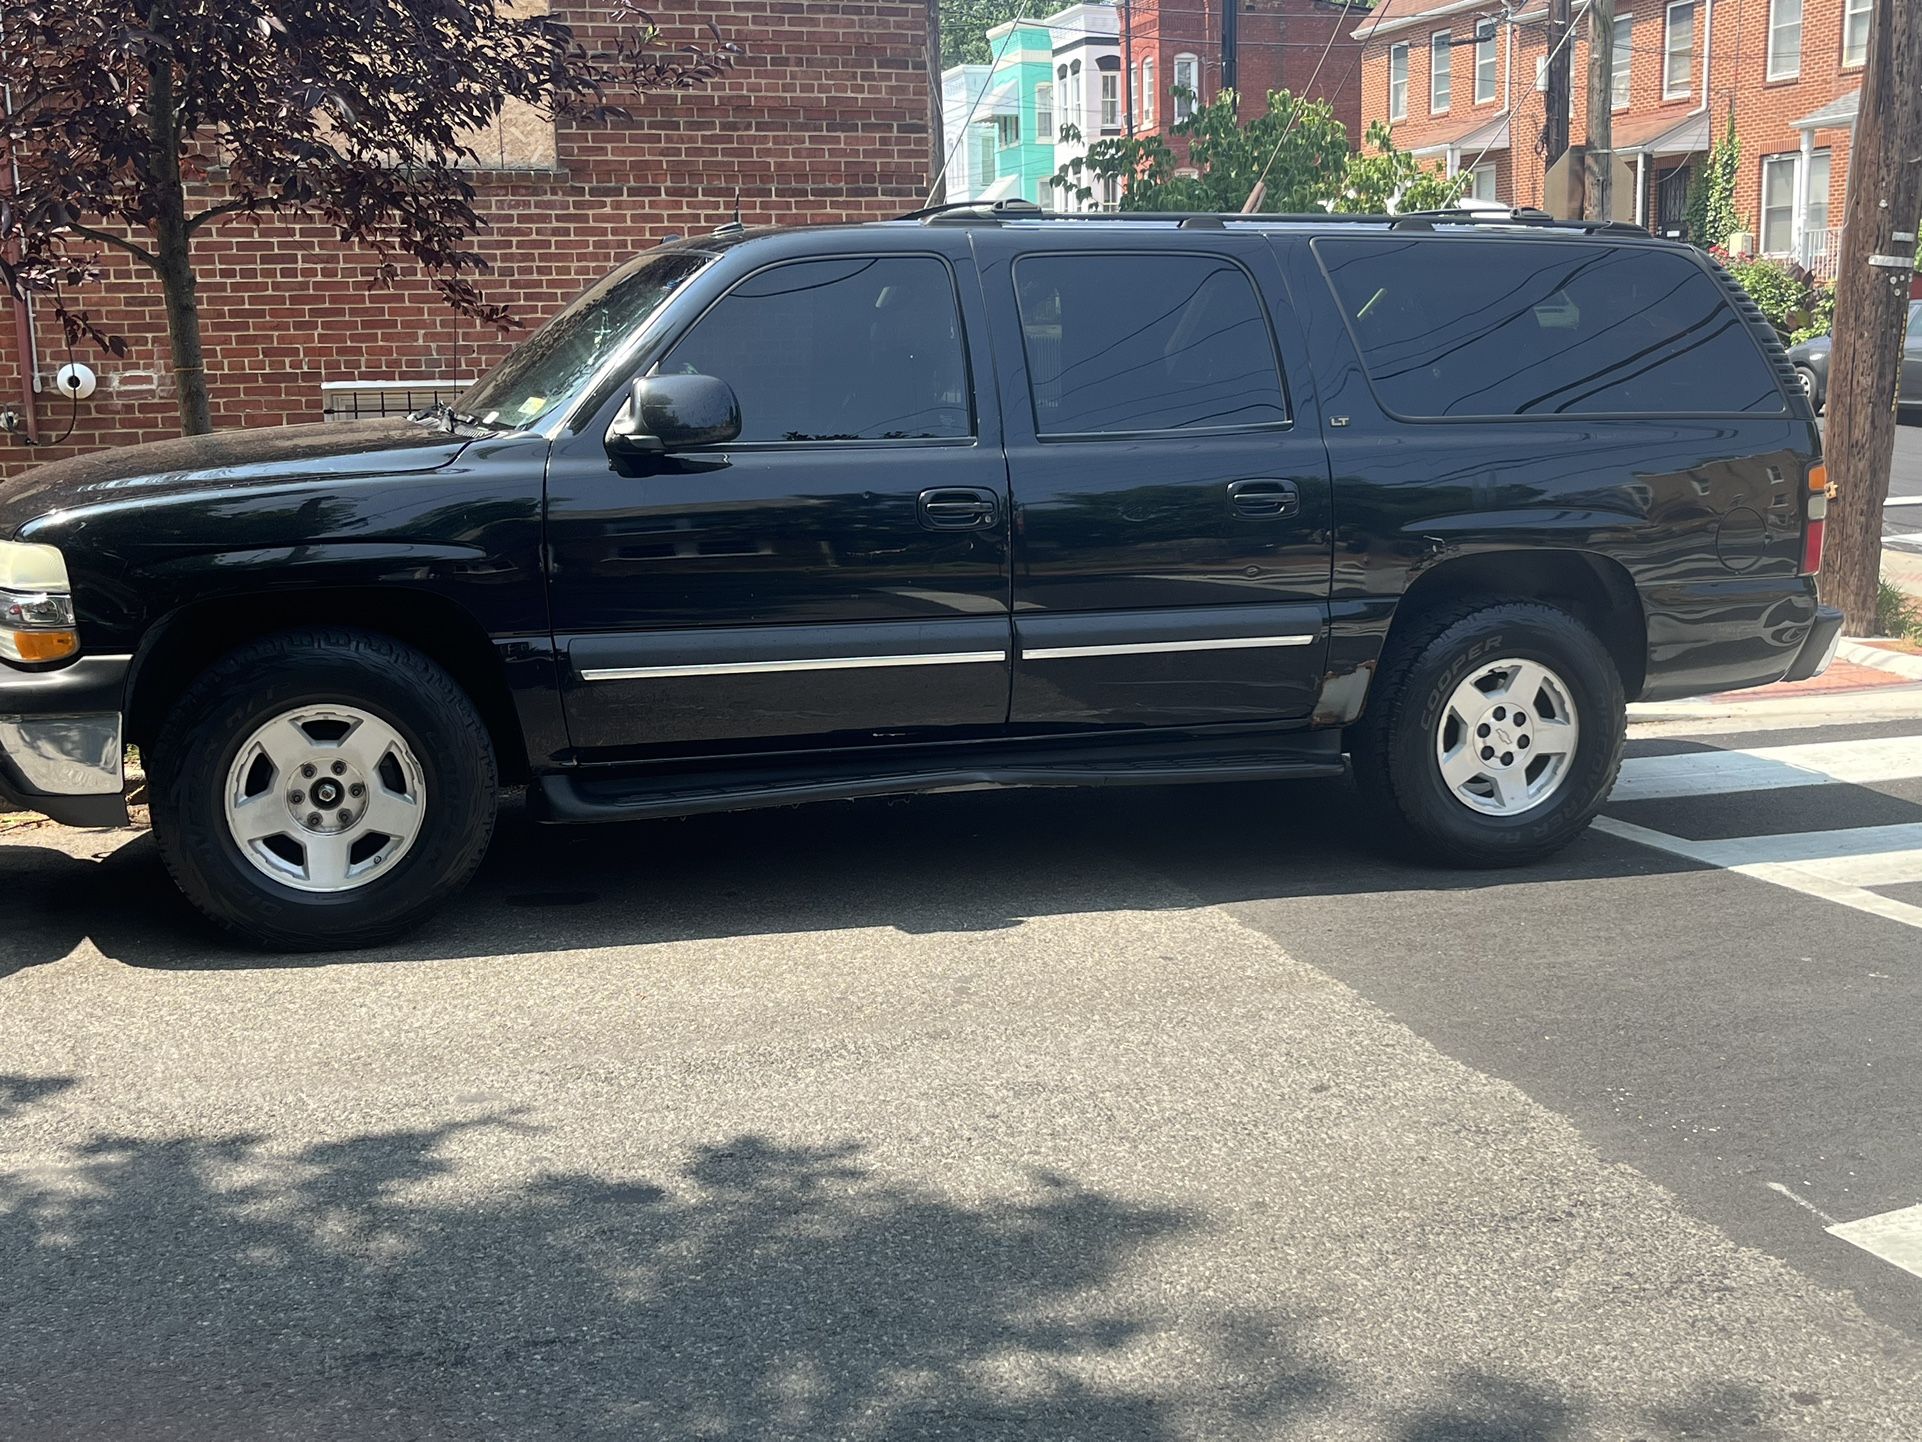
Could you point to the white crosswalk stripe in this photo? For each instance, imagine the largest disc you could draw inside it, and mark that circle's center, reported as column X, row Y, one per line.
column 1843, row 865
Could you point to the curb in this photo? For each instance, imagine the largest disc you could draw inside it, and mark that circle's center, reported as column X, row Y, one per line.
column 1896, row 663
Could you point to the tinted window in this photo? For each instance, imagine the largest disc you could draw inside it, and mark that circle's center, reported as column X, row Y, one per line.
column 1145, row 343
column 1524, row 328
column 857, row 349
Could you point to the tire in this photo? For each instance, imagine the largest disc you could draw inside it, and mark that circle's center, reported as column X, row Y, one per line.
column 1811, row 387
column 1404, row 738
column 402, row 731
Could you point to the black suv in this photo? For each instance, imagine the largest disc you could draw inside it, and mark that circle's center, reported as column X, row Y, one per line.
column 975, row 497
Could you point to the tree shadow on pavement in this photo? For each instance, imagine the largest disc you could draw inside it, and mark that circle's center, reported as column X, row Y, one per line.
column 956, row 863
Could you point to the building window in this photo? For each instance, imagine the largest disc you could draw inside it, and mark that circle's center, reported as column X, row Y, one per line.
column 1077, row 111
column 1110, row 100
column 1148, row 91
column 1818, row 216
column 1624, row 59
column 1007, row 130
column 1778, row 203
column 1187, row 85
column 1110, row 193
column 1481, row 182
column 1044, row 112
column 1678, row 51
column 1441, row 80
column 1785, row 39
column 1485, row 67
column 983, row 167
column 1855, row 33
column 1398, row 82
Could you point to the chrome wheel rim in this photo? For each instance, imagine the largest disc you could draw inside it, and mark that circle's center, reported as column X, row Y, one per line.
column 1507, row 737
column 325, row 798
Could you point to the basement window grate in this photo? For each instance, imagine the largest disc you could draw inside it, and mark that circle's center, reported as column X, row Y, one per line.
column 359, row 400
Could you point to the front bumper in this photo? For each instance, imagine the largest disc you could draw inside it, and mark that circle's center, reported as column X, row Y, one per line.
column 1825, row 635
column 61, row 744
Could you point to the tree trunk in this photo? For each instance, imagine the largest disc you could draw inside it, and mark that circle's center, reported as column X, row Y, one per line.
column 1871, row 306
column 170, row 235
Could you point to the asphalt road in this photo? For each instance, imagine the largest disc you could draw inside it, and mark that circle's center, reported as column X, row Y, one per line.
column 1127, row 1114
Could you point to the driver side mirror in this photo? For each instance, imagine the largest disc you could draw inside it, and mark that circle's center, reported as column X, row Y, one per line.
column 672, row 413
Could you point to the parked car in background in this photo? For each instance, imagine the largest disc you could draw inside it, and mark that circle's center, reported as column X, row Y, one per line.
column 1811, row 362
column 976, row 497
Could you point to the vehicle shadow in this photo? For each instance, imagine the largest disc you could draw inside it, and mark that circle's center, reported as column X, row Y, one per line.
column 392, row 1284
column 969, row 862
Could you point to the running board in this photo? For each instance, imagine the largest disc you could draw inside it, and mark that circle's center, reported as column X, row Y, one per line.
column 573, row 797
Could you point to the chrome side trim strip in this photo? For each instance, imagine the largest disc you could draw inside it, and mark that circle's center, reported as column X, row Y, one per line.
column 1146, row 648
column 822, row 663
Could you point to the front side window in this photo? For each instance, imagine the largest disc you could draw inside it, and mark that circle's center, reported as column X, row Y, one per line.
column 1398, row 82
column 855, row 348
column 1193, row 353
column 1855, row 33
column 1440, row 78
column 1678, row 51
column 1485, row 68
column 1623, row 61
column 1778, row 203
column 1187, row 85
column 1044, row 112
column 1450, row 327
column 1785, row 39
column 553, row 365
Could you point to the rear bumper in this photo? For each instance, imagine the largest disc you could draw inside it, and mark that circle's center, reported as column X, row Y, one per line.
column 1824, row 636
column 61, row 742
column 1723, row 635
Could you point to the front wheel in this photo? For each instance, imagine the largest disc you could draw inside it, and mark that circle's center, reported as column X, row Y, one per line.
column 1811, row 387
column 1494, row 732
column 321, row 789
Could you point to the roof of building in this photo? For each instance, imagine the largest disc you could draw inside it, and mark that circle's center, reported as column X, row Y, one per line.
column 1407, row 14
column 1662, row 135
column 1481, row 135
column 1838, row 113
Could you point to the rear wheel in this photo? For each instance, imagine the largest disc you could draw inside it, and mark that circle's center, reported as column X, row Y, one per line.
column 322, row 789
column 1494, row 732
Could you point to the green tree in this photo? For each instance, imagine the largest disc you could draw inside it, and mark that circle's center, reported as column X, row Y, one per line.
column 965, row 25
column 1711, row 212
column 1298, row 151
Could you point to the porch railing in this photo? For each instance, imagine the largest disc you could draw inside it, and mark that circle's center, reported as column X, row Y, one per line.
column 1820, row 250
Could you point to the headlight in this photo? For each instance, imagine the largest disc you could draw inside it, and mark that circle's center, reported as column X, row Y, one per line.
column 36, row 605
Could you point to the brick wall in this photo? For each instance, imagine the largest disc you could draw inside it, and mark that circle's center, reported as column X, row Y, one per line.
column 826, row 119
column 1763, row 109
column 1284, row 45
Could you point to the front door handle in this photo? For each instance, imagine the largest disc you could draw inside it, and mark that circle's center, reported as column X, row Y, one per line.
column 959, row 508
column 1264, row 500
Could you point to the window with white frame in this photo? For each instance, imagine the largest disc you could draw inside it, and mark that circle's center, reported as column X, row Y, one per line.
column 1441, row 80
column 1187, row 85
column 1778, row 203
column 1398, row 82
column 1678, row 51
column 1818, row 216
column 1785, row 39
column 1485, row 68
column 1481, row 182
column 1623, row 61
column 1110, row 193
column 1076, row 110
column 1148, row 90
column 1044, row 112
column 1110, row 100
column 1007, row 129
column 1855, row 33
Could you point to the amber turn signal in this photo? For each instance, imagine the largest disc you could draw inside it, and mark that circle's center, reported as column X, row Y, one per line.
column 1819, row 477
column 32, row 647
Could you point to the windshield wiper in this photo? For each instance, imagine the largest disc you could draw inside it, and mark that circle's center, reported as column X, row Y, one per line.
column 447, row 417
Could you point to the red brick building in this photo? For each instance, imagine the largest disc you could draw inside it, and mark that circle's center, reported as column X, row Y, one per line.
column 828, row 117
column 1295, row 45
column 1789, row 72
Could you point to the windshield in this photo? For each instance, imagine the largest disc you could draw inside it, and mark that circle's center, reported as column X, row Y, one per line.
column 550, row 367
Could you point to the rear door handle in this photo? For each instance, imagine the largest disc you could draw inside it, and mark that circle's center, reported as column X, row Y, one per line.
column 959, row 508
column 1264, row 500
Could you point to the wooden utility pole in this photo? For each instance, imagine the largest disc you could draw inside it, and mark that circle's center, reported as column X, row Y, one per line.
column 1598, row 160
column 1872, row 305
column 1560, row 93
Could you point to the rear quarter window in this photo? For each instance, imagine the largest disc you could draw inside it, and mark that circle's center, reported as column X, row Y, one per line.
column 1459, row 328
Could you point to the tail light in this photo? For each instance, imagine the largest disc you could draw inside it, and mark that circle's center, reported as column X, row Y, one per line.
column 1818, row 519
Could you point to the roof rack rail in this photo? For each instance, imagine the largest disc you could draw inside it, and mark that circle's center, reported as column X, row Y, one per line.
column 976, row 212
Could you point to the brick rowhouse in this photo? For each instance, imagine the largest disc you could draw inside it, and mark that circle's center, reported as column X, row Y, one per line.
column 1300, row 46
column 828, row 117
column 1786, row 69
